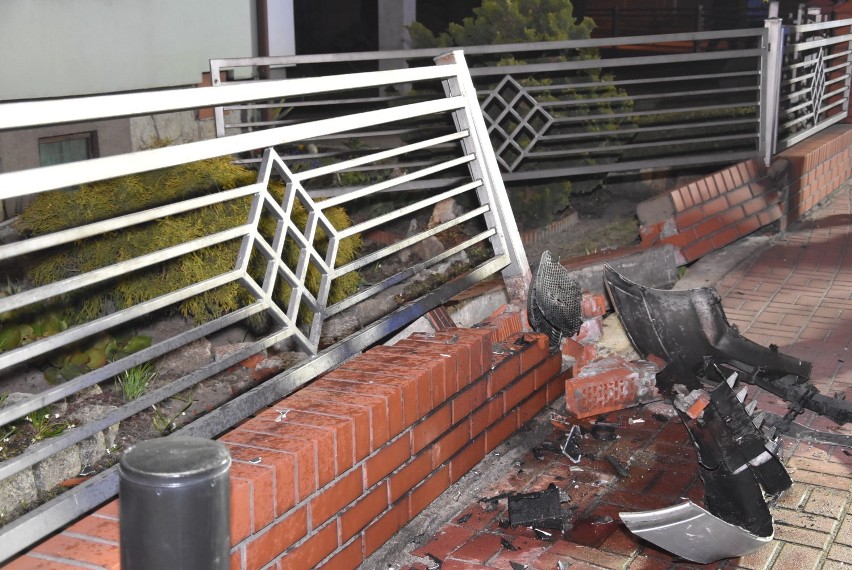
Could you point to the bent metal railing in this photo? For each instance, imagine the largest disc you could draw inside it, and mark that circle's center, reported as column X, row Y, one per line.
column 479, row 239
column 815, row 82
column 559, row 109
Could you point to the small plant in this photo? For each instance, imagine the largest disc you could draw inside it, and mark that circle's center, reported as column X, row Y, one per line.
column 166, row 425
column 6, row 434
column 134, row 381
column 44, row 424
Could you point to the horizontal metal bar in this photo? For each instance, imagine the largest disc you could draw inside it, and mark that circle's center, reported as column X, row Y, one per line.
column 788, row 142
column 671, row 127
column 405, row 242
column 48, row 112
column 118, row 269
column 605, row 149
column 22, row 183
column 30, row 245
column 471, row 51
column 55, row 393
column 662, row 95
column 44, row 345
column 814, row 44
column 404, row 211
column 408, row 272
column 581, row 118
column 389, row 184
column 722, row 157
column 408, row 186
column 375, row 157
column 614, row 62
column 819, row 26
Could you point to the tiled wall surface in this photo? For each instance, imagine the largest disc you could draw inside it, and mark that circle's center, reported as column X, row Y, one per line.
column 359, row 452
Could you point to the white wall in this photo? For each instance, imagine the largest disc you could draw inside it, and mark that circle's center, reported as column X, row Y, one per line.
column 53, row 48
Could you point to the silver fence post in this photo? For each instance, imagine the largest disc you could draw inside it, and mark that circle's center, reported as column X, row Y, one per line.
column 174, row 497
column 771, row 87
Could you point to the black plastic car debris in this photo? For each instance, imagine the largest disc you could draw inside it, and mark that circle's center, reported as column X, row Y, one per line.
column 689, row 333
column 686, row 328
column 541, row 509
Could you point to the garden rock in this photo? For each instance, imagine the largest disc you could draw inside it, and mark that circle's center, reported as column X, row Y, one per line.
column 15, row 493
column 52, row 471
column 184, row 360
column 94, row 412
column 444, row 211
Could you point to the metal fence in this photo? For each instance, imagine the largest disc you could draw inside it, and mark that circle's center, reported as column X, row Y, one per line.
column 815, row 82
column 581, row 108
column 263, row 249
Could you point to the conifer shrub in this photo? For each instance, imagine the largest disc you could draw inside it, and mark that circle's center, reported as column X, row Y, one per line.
column 523, row 21
column 62, row 209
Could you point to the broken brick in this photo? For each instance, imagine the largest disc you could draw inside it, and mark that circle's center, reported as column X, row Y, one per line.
column 610, row 384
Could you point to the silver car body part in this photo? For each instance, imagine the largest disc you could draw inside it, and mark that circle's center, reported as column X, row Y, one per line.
column 692, row 533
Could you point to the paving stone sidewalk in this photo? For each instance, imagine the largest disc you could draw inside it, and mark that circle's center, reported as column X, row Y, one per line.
column 796, row 294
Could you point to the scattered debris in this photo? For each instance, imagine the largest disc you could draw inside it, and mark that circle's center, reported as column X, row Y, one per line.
column 541, row 509
column 603, row 431
column 517, row 565
column 255, row 460
column 464, row 518
column 542, row 534
column 570, row 448
column 620, row 469
column 606, row 519
column 437, row 561
column 508, row 545
column 554, row 300
column 662, row 418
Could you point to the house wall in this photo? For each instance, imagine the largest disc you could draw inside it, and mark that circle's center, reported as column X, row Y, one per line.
column 54, row 48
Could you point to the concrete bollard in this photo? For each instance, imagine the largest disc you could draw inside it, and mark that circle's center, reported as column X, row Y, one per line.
column 174, row 497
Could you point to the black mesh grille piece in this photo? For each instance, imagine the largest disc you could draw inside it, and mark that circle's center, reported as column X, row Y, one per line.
column 553, row 303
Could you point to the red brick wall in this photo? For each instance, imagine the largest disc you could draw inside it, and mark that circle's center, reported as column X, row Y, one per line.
column 361, row 451
column 715, row 211
column 818, row 166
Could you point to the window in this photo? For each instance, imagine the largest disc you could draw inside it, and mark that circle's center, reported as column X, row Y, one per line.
column 67, row 148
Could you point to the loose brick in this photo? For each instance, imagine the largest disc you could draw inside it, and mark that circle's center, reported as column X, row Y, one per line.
column 592, row 305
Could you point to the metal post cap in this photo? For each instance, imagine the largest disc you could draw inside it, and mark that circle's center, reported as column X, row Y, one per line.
column 174, row 461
